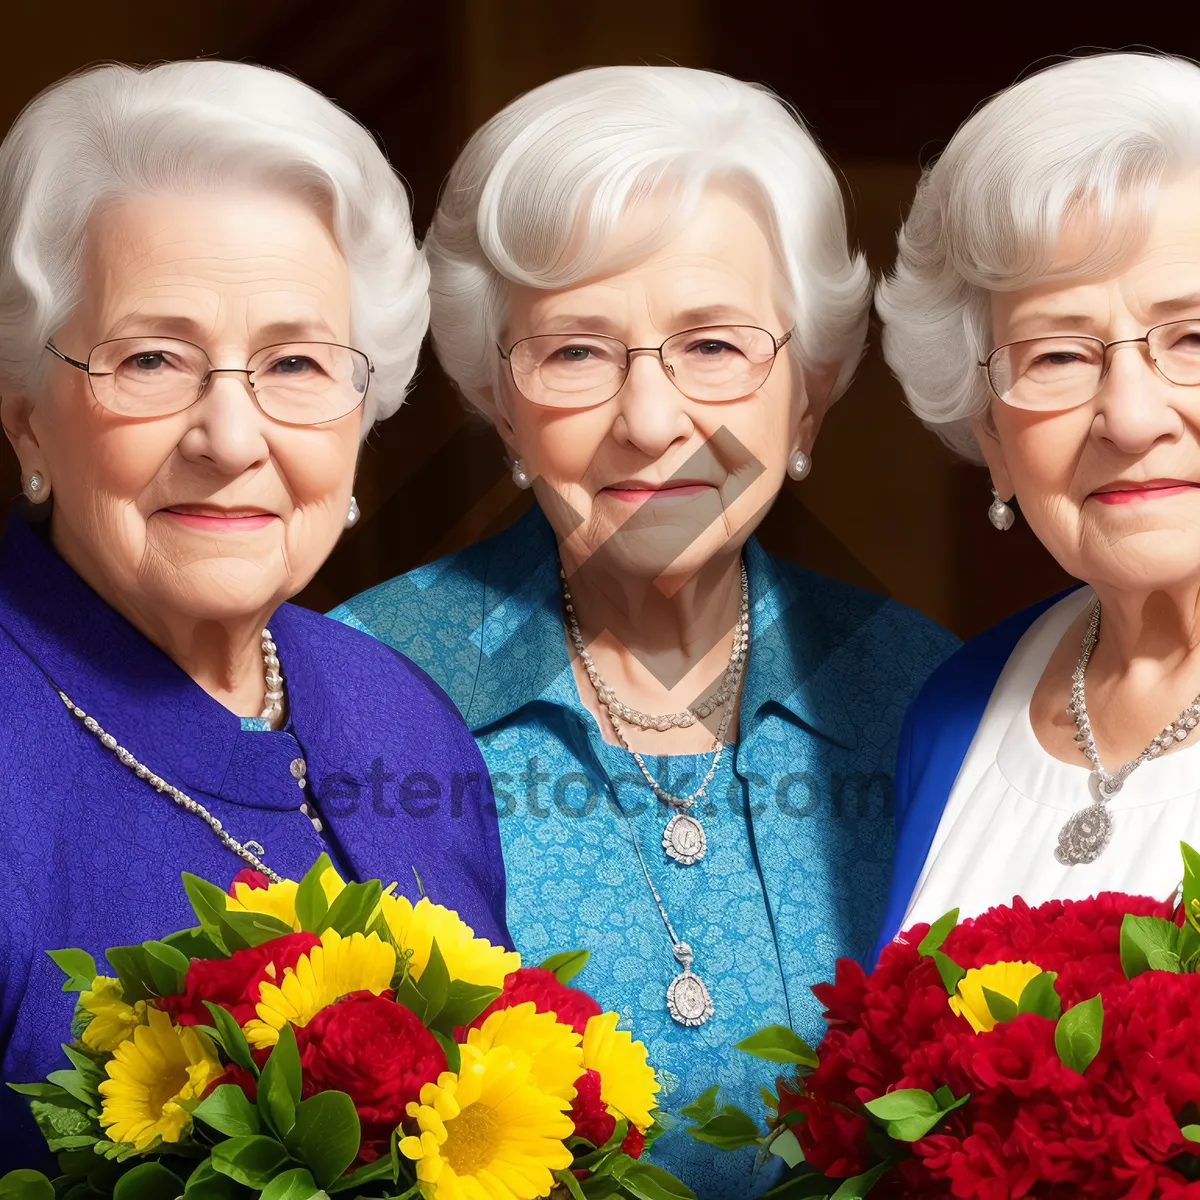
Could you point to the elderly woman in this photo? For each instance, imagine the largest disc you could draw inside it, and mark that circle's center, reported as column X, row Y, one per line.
column 1044, row 316
column 202, row 267
column 641, row 279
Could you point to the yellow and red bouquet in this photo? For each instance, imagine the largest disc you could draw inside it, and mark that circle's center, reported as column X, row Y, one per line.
column 322, row 1037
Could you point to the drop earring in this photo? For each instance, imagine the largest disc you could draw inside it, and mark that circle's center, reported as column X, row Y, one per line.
column 799, row 465
column 520, row 476
column 1000, row 515
column 354, row 513
column 35, row 489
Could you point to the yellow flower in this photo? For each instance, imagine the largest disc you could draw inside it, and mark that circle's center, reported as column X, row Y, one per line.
column 487, row 1133
column 554, row 1051
column 112, row 1019
column 335, row 968
column 627, row 1082
column 468, row 958
column 279, row 899
column 1004, row 978
column 155, row 1077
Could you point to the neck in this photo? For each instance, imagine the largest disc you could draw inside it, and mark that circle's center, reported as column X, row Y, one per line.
column 1148, row 632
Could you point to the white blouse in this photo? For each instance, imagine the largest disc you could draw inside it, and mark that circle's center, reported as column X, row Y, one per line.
column 999, row 830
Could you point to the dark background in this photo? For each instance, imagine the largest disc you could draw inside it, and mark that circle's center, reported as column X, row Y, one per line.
column 882, row 88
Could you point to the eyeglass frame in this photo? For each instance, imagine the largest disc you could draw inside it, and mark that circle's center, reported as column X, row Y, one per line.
column 1105, row 362
column 85, row 367
column 630, row 351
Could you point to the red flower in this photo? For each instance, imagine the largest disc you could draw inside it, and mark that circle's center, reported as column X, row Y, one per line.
column 239, row 1077
column 251, row 878
column 376, row 1051
column 593, row 1120
column 233, row 982
column 571, row 1006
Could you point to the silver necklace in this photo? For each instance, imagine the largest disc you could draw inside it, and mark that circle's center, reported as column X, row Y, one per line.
column 1085, row 835
column 248, row 851
column 684, row 839
column 688, row 1000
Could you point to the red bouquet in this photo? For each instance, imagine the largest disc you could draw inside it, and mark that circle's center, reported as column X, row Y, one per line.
column 1045, row 1052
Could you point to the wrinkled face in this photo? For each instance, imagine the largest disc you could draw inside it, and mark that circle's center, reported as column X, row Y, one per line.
column 216, row 510
column 659, row 481
column 1112, row 487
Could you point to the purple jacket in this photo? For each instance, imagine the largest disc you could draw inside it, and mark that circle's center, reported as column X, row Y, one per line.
column 91, row 855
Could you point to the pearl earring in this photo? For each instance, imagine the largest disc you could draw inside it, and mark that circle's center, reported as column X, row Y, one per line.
column 35, row 488
column 1000, row 515
column 520, row 476
column 354, row 513
column 799, row 465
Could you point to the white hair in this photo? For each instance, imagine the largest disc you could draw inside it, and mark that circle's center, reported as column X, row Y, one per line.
column 1095, row 134
column 115, row 130
column 539, row 189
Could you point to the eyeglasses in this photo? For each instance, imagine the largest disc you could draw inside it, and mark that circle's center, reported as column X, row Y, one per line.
column 714, row 363
column 297, row 383
column 1048, row 374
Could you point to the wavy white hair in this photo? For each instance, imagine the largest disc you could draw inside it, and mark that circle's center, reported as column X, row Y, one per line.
column 115, row 130
column 1098, row 133
column 539, row 189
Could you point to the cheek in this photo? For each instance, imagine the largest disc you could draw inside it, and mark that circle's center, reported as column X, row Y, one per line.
column 561, row 447
column 1043, row 453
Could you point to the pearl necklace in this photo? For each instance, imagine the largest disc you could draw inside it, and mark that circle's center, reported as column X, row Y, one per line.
column 272, row 712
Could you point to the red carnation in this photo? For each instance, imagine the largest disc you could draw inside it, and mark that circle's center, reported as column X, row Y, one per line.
column 251, row 878
column 376, row 1051
column 233, row 982
column 569, row 1005
column 593, row 1120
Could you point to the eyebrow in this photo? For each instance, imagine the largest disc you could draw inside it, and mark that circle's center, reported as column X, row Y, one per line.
column 690, row 318
column 1177, row 304
column 188, row 329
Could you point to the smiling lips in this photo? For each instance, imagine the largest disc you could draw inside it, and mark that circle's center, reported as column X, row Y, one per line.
column 1137, row 491
column 638, row 491
column 219, row 520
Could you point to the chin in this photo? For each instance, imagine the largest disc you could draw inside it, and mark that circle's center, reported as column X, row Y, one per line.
column 673, row 550
column 1148, row 561
column 225, row 592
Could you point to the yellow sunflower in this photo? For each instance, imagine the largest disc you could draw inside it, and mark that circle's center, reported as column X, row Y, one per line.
column 468, row 958
column 155, row 1077
column 279, row 899
column 488, row 1133
column 554, row 1050
column 335, row 968
column 112, row 1019
column 1004, row 978
column 627, row 1082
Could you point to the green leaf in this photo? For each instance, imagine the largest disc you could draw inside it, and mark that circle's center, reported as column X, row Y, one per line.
column 566, row 1178
column 209, row 903
column 786, row 1145
column 434, row 984
column 382, row 1168
column 206, row 1183
column 1188, row 947
column 949, row 970
column 807, row 1186
column 351, row 911
column 149, row 1181
column 311, row 902
column 450, row 1049
column 910, row 1113
column 728, row 1129
column 704, row 1106
column 25, row 1185
column 74, row 1084
column 1001, row 1007
column 296, row 1184
column 566, row 965
column 47, row 1091
column 777, row 1043
column 168, row 968
column 857, row 1187
column 279, row 1084
column 252, row 928
column 1191, row 1132
column 1191, row 884
column 231, row 1037
column 938, row 932
column 326, row 1134
column 254, row 1161
column 464, row 1002
column 409, row 994
column 133, row 971
column 645, row 1181
column 228, row 1110
column 79, row 966
column 1148, row 944
column 194, row 943
column 1039, row 997
column 62, row 1125
column 1078, row 1034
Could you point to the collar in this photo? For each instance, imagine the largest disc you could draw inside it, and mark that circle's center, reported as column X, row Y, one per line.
column 523, row 654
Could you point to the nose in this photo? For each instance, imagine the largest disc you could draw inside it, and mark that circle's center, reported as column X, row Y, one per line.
column 1136, row 406
column 653, row 413
column 228, row 428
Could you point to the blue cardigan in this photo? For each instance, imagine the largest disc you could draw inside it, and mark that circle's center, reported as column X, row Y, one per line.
column 934, row 740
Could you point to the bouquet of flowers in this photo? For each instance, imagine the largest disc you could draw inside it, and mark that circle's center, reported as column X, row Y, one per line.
column 318, row 1038
column 1045, row 1052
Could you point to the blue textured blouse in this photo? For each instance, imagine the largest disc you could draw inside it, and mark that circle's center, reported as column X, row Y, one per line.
column 798, row 819
column 91, row 855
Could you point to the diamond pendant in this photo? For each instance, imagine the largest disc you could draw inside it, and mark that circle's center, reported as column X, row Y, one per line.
column 684, row 840
column 1083, row 838
column 688, row 1000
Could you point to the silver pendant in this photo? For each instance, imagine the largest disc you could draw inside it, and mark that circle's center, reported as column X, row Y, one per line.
column 684, row 840
column 1083, row 838
column 688, row 1000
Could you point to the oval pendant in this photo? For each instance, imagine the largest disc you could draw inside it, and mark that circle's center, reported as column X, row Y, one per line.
column 684, row 840
column 688, row 1000
column 1083, row 838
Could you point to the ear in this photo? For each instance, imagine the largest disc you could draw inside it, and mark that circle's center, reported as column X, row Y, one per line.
column 818, row 390
column 495, row 408
column 16, row 417
column 993, row 454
